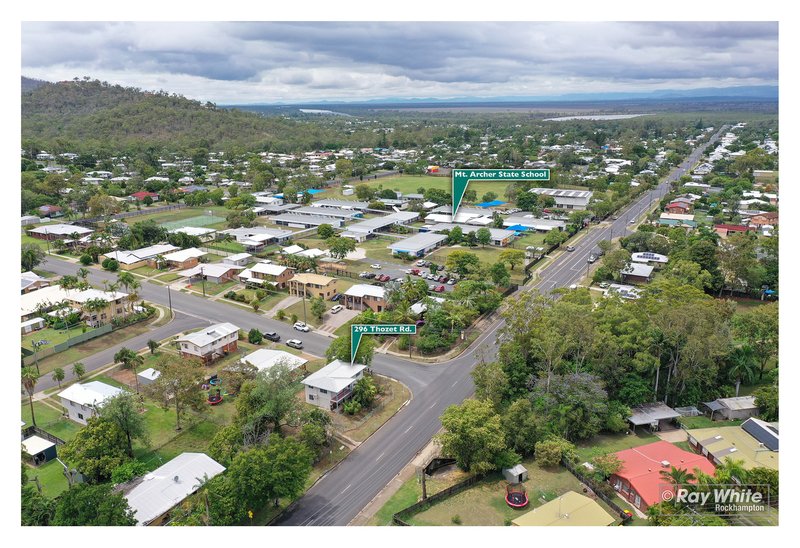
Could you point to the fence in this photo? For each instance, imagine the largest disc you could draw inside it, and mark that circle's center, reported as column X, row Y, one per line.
column 60, row 347
column 596, row 490
column 36, row 431
column 397, row 518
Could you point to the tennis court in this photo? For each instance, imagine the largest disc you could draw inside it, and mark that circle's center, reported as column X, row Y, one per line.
column 200, row 220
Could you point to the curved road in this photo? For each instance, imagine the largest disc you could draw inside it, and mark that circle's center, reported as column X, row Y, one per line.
column 338, row 497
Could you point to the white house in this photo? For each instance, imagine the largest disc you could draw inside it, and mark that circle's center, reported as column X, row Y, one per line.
column 83, row 400
column 329, row 387
column 649, row 257
column 266, row 358
column 210, row 343
column 152, row 496
column 240, row 259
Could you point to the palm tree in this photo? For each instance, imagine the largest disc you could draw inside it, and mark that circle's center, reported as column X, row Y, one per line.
column 29, row 378
column 731, row 471
column 133, row 296
column 58, row 376
column 152, row 345
column 129, row 360
column 92, row 306
column 79, row 370
column 742, row 366
column 678, row 476
column 82, row 273
column 68, row 282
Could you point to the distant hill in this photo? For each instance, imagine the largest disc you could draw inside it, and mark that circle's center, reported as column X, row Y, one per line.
column 89, row 114
column 30, row 84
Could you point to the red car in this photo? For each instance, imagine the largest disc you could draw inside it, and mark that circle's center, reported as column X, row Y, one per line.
column 439, row 289
column 415, row 271
column 385, row 277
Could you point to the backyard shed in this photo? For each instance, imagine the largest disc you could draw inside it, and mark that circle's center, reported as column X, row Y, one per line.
column 515, row 474
column 40, row 449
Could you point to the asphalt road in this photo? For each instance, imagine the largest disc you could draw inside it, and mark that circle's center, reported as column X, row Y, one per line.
column 338, row 497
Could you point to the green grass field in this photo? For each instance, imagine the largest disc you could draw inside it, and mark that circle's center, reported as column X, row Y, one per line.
column 52, row 336
column 603, row 444
column 181, row 215
column 410, row 184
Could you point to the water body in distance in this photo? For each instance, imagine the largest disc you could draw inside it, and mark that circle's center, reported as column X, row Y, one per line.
column 595, row 117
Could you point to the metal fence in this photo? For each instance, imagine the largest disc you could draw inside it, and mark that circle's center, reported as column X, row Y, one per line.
column 590, row 483
column 36, row 431
column 60, row 347
column 398, row 518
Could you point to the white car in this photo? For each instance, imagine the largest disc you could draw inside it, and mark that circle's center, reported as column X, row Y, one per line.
column 336, row 309
column 295, row 343
column 301, row 326
column 376, row 265
column 574, row 286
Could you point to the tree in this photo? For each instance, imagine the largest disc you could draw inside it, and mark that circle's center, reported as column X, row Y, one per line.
column 96, row 450
column 325, row 231
column 462, row 262
column 111, row 265
column 79, row 370
column 278, row 471
column 123, row 411
column 365, row 391
column 606, row 465
column 36, row 509
column 85, row 504
column 30, row 376
column 522, row 426
column 473, row 435
column 690, row 273
column 267, row 403
column 767, row 402
column 491, row 383
column 152, row 345
column 58, row 376
column 484, row 236
column 511, row 257
column 318, row 307
column 575, row 406
column 254, row 336
column 339, row 349
column 455, row 235
column 32, row 255
column 365, row 193
column 759, row 328
column 742, row 366
column 178, row 385
column 129, row 360
column 500, row 276
column 339, row 247
column 102, row 205
column 556, row 238
column 344, row 168
column 677, row 476
column 127, row 471
column 550, row 451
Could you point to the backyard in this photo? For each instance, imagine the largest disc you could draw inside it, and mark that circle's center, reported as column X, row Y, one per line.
column 360, row 427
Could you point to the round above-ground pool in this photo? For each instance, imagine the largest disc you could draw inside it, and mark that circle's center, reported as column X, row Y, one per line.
column 516, row 496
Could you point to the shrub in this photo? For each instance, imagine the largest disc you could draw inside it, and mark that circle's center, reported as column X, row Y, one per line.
column 86, row 259
column 456, row 519
column 550, row 451
column 280, row 314
column 110, row 264
column 261, row 294
column 294, row 318
column 128, row 471
column 403, row 342
column 230, row 295
column 255, row 336
column 352, row 407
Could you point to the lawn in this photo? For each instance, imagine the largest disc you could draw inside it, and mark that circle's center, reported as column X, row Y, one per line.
column 230, row 247
column 51, row 478
column 53, row 336
column 702, row 421
column 378, row 250
column 297, row 308
column 484, row 503
column 408, row 494
column 146, row 271
column 361, row 426
column 179, row 214
column 410, row 184
column 212, row 288
column 49, row 419
column 169, row 277
column 81, row 351
column 36, row 241
column 603, row 444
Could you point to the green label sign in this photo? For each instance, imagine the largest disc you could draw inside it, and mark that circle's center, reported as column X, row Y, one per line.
column 463, row 176
column 358, row 330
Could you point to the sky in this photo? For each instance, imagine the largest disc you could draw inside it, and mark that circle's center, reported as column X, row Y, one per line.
column 271, row 62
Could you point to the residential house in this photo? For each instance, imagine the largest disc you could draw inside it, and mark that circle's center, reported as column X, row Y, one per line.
column 636, row 273
column 266, row 358
column 640, row 482
column 152, row 496
column 32, row 281
column 213, row 272
column 312, row 285
column 136, row 258
column 329, row 387
column 50, row 211
column 725, row 230
column 418, row 245
column 268, row 273
column 115, row 304
column 740, row 407
column 681, row 208
column 754, row 441
column 184, row 258
column 210, row 343
column 59, row 232
column 570, row 509
column 205, row 234
column 649, row 257
column 82, row 401
column 239, row 259
column 764, row 219
column 142, row 194
column 363, row 296
column 566, row 199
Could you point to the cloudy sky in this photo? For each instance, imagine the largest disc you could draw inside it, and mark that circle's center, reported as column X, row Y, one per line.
column 255, row 62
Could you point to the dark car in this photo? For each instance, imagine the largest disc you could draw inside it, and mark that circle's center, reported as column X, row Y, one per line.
column 272, row 336
column 336, row 297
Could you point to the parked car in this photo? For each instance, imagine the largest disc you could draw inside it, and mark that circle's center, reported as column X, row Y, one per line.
column 439, row 288
column 591, row 259
column 420, row 262
column 384, row 278
column 574, row 286
column 362, row 274
column 301, row 326
column 336, row 309
column 272, row 336
column 409, row 271
column 443, row 279
column 295, row 343
column 369, row 275
column 375, row 265
column 570, row 248
column 604, row 285
column 432, row 287
column 415, row 271
column 451, row 281
column 336, row 297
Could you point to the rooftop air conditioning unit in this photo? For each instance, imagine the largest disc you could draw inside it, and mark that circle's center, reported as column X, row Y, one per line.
column 665, row 463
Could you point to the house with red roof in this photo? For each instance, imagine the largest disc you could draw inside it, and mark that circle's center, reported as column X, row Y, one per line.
column 142, row 194
column 639, row 480
column 726, row 230
column 681, row 208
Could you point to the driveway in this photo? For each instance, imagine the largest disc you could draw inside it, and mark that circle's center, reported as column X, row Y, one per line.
column 333, row 321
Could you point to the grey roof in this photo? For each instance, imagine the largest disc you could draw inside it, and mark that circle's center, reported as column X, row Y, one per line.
column 637, row 269
column 497, row 233
column 764, row 432
column 377, row 223
column 739, row 403
column 418, row 242
column 713, row 405
column 337, row 212
column 304, row 219
column 563, row 193
column 351, row 204
column 335, row 376
column 649, row 413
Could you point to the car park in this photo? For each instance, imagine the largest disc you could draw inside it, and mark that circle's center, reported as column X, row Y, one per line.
column 301, row 326
column 271, row 336
column 336, row 309
column 295, row 343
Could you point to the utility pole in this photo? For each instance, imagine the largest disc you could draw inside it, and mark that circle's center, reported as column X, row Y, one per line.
column 203, row 280
column 305, row 319
column 169, row 296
